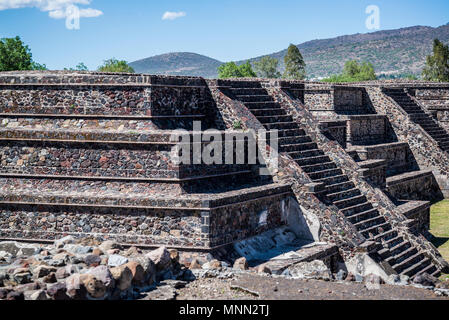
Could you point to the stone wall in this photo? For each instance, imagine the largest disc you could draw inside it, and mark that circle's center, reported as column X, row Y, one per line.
column 397, row 154
column 335, row 130
column 146, row 227
column 423, row 187
column 348, row 99
column 367, row 129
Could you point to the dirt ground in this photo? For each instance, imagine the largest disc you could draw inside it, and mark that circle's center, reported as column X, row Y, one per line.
column 255, row 287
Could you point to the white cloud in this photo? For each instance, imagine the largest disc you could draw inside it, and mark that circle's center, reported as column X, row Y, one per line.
column 173, row 15
column 57, row 9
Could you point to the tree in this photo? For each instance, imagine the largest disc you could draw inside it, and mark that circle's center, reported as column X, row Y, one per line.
column 15, row 55
column 114, row 65
column 295, row 67
column 79, row 67
column 437, row 65
column 354, row 72
column 247, row 71
column 231, row 70
column 38, row 66
column 267, row 67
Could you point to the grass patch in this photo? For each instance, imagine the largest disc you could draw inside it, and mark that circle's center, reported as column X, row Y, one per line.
column 439, row 227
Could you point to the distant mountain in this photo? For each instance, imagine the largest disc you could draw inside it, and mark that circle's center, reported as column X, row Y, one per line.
column 178, row 64
column 392, row 52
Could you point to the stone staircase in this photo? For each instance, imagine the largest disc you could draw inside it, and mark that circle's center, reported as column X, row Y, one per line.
column 340, row 191
column 419, row 116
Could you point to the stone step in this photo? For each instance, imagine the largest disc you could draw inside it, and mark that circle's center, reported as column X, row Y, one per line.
column 395, row 242
column 400, row 247
column 258, row 105
column 360, row 217
column 254, row 98
column 298, row 147
column 294, row 140
column 350, row 202
column 268, row 112
column 436, row 131
column 416, row 116
column 342, row 195
column 293, row 132
column 410, row 261
column 365, row 224
column 312, row 160
column 299, row 155
column 281, row 125
column 358, row 208
column 416, row 267
column 319, row 175
column 337, row 187
column 429, row 125
column 376, row 229
column 407, row 176
column 441, row 136
column 275, row 119
column 389, row 236
column 319, row 167
column 329, row 181
column 243, row 84
column 431, row 269
column 405, row 254
column 249, row 91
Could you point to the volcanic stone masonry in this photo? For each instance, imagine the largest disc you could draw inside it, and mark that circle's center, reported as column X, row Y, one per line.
column 91, row 155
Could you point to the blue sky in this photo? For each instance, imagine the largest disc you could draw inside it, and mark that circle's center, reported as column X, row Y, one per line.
column 225, row 30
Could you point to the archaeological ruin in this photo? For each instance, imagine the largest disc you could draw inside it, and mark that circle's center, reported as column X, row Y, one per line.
column 90, row 155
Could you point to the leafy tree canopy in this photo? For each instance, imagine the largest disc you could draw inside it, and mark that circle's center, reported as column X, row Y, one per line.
column 231, row 70
column 354, row 72
column 437, row 65
column 114, row 65
column 16, row 55
column 79, row 67
column 267, row 67
column 295, row 67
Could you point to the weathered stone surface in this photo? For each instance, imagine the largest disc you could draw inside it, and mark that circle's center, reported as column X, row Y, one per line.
column 64, row 241
column 241, row 264
column 116, row 260
column 42, row 271
column 103, row 274
column 38, row 295
column 311, row 270
column 212, row 265
column 160, row 257
column 137, row 271
column 426, row 280
column 123, row 277
column 108, row 245
column 92, row 260
column 263, row 269
column 58, row 291
column 195, row 264
column 95, row 287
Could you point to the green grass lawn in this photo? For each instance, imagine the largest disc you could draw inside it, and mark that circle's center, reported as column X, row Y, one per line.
column 439, row 227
